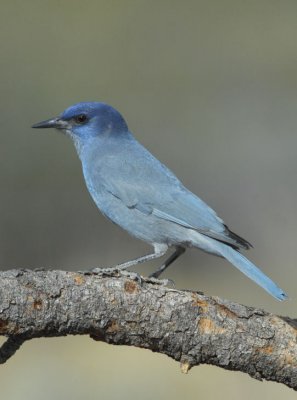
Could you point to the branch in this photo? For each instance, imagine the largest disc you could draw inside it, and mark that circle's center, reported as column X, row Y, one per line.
column 126, row 309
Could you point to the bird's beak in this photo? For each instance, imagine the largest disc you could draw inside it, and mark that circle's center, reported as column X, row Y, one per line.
column 51, row 123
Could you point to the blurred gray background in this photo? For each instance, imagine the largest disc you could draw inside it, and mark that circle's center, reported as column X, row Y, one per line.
column 210, row 87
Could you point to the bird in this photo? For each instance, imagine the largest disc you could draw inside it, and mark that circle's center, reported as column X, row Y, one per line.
column 136, row 191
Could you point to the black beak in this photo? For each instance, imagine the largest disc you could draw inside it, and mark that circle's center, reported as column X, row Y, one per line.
column 51, row 123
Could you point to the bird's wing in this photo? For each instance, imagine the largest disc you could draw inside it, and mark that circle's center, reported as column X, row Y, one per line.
column 154, row 189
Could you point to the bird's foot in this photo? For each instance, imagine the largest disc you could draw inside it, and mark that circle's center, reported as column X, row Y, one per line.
column 100, row 271
column 132, row 275
column 156, row 281
column 115, row 271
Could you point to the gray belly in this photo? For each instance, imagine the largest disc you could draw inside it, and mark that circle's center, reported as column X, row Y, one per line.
column 146, row 227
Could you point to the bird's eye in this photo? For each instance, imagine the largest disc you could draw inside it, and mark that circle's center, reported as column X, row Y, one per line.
column 80, row 119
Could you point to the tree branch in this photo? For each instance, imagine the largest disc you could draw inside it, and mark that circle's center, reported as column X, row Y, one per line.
column 126, row 309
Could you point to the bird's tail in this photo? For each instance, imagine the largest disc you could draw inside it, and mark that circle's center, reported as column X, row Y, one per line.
column 250, row 270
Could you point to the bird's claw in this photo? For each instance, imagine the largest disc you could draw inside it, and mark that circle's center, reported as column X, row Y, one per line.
column 163, row 282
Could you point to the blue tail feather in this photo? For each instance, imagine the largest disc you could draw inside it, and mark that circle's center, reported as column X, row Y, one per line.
column 251, row 271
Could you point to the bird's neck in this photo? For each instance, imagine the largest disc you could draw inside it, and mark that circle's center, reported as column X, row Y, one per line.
column 79, row 145
column 102, row 143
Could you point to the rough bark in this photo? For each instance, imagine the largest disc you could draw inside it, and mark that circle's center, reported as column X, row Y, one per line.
column 124, row 309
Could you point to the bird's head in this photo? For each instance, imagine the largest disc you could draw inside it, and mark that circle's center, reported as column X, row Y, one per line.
column 85, row 120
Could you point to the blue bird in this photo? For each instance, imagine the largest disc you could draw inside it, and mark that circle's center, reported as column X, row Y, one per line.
column 135, row 191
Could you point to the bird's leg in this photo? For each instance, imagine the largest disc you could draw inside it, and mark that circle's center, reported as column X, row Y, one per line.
column 160, row 250
column 178, row 252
